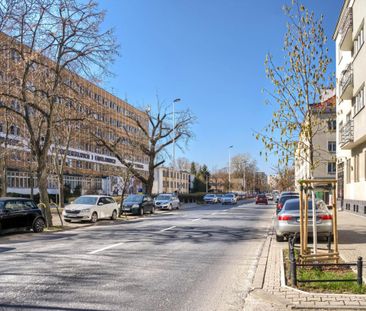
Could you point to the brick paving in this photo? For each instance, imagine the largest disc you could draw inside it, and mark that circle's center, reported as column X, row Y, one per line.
column 272, row 294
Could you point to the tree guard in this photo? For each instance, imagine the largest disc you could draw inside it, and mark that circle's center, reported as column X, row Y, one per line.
column 305, row 253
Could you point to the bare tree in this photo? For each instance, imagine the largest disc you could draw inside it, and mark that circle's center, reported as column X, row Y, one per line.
column 44, row 43
column 154, row 134
column 244, row 166
column 284, row 178
column 183, row 164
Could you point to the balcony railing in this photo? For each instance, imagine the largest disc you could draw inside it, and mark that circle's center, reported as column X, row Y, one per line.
column 345, row 30
column 346, row 134
column 346, row 83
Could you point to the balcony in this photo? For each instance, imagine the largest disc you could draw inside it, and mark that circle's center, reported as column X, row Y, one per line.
column 345, row 31
column 346, row 83
column 346, row 135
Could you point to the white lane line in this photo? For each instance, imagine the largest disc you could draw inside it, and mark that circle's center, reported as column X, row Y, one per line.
column 167, row 229
column 225, row 210
column 104, row 248
column 197, row 219
column 213, row 213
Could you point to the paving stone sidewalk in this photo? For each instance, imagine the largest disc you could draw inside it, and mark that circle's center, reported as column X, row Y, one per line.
column 269, row 292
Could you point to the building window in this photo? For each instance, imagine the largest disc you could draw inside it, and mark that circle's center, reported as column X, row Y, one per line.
column 359, row 101
column 331, row 168
column 348, row 173
column 332, row 125
column 358, row 42
column 357, row 168
column 332, row 146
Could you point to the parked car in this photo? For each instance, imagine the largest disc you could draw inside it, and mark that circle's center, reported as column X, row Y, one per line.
column 283, row 200
column 229, row 198
column 219, row 198
column 138, row 204
column 91, row 208
column 286, row 193
column 19, row 213
column 261, row 199
column 269, row 196
column 210, row 198
column 167, row 201
column 288, row 220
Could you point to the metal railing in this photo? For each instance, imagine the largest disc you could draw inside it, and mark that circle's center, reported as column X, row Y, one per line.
column 294, row 265
column 346, row 78
column 347, row 133
column 346, row 23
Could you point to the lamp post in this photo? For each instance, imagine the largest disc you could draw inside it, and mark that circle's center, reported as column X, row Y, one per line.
column 230, row 167
column 174, row 101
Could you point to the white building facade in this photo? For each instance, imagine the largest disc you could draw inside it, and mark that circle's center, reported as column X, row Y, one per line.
column 169, row 180
column 349, row 37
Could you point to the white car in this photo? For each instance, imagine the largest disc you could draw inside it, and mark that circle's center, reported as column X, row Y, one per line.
column 229, row 198
column 166, row 201
column 91, row 208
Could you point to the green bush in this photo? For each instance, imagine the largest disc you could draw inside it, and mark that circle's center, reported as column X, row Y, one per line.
column 191, row 197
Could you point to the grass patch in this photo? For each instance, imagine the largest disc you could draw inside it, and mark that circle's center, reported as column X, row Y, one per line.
column 324, row 273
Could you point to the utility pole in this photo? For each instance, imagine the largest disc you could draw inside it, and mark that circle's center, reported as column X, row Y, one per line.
column 230, row 167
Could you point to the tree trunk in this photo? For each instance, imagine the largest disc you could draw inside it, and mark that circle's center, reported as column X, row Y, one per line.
column 61, row 189
column 43, row 194
column 3, row 178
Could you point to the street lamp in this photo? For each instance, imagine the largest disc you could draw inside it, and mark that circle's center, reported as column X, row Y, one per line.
column 230, row 147
column 174, row 101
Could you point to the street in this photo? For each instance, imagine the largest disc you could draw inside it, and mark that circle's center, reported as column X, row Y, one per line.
column 198, row 258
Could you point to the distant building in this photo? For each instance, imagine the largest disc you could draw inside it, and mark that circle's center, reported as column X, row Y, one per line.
column 272, row 182
column 350, row 62
column 169, row 180
column 324, row 145
column 89, row 167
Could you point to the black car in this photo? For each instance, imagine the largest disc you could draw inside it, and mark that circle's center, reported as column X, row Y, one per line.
column 138, row 204
column 18, row 213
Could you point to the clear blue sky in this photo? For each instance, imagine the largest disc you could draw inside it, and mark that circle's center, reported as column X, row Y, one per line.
column 209, row 53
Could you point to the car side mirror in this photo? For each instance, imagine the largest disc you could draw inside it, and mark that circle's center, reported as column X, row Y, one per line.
column 100, row 203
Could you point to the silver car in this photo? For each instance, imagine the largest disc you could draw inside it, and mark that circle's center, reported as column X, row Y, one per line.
column 288, row 220
column 167, row 201
column 229, row 198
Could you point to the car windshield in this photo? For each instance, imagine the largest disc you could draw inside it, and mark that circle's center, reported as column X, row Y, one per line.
column 293, row 205
column 86, row 200
column 163, row 197
column 210, row 195
column 228, row 195
column 135, row 198
column 261, row 196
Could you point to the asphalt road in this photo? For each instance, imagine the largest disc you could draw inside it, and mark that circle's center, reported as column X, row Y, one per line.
column 198, row 258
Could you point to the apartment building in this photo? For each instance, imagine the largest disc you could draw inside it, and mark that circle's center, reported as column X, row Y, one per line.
column 169, row 180
column 324, row 141
column 349, row 37
column 89, row 166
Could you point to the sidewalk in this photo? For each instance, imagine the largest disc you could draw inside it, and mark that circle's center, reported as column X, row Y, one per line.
column 270, row 293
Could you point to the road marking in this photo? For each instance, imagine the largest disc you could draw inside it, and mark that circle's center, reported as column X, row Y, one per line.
column 213, row 213
column 167, row 228
column 104, row 248
column 225, row 210
column 197, row 219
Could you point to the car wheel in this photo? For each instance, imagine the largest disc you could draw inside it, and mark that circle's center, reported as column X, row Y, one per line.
column 178, row 205
column 114, row 215
column 94, row 217
column 279, row 238
column 152, row 210
column 67, row 220
column 141, row 211
column 38, row 225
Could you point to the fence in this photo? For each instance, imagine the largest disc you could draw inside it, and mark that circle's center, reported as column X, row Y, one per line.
column 294, row 265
